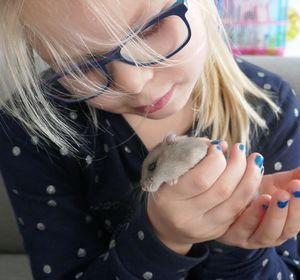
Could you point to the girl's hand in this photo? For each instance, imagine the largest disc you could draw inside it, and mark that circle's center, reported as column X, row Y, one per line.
column 281, row 180
column 260, row 227
column 206, row 200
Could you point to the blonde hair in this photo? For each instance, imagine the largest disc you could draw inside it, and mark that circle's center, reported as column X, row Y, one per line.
column 220, row 95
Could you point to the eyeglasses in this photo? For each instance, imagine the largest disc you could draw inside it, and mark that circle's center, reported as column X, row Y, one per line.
column 165, row 34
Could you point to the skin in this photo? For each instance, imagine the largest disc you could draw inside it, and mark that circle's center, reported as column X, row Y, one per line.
column 216, row 198
column 145, row 85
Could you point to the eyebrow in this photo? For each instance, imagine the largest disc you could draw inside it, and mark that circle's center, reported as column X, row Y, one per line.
column 131, row 24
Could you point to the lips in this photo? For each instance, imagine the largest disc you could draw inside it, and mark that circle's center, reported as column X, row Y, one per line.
column 157, row 104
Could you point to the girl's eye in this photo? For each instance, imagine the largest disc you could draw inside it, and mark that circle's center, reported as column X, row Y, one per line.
column 153, row 29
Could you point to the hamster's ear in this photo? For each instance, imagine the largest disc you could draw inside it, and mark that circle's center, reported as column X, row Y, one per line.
column 170, row 138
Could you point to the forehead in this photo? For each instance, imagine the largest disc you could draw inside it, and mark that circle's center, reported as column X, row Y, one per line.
column 90, row 18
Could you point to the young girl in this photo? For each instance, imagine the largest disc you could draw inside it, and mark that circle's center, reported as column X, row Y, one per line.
column 122, row 75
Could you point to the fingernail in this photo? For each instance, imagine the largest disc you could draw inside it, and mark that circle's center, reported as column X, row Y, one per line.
column 215, row 142
column 218, row 147
column 259, row 161
column 282, row 204
column 296, row 194
column 242, row 147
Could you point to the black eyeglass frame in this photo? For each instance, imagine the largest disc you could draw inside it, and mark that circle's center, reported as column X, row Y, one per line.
column 179, row 8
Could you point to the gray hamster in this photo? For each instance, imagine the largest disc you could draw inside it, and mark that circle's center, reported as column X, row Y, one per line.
column 170, row 159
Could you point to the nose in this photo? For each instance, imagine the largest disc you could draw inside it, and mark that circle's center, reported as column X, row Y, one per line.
column 130, row 78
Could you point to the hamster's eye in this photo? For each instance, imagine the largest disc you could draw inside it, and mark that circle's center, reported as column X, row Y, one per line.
column 152, row 166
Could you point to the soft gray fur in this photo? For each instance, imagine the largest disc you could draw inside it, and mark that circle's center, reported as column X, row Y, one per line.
column 171, row 159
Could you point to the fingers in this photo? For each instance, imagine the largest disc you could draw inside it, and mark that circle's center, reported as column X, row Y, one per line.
column 200, row 178
column 271, row 228
column 235, row 187
column 292, row 224
column 247, row 223
column 259, row 226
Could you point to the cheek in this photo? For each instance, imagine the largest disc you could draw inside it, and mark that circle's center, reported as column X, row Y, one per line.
column 198, row 44
column 194, row 54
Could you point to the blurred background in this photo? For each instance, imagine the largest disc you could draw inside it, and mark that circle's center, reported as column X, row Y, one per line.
column 262, row 27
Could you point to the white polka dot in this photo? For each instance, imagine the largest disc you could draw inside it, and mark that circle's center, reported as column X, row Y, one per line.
column 279, row 276
column 81, row 253
column 73, row 115
column 278, row 166
column 63, row 151
column 88, row 219
column 15, row 191
column 265, row 262
column 296, row 112
column 52, row 203
column 141, row 235
column 78, row 275
column 260, row 74
column 105, row 146
column 88, row 159
column 107, row 223
column 16, row 151
column 112, row 244
column 286, row 253
column 218, row 250
column 148, row 275
column 40, row 226
column 34, row 140
column 106, row 256
column 291, row 276
column 21, row 221
column 267, row 86
column 290, row 142
column 47, row 269
column 296, row 262
column 51, row 189
column 127, row 150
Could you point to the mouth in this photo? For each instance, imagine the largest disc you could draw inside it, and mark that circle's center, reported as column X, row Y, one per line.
column 157, row 104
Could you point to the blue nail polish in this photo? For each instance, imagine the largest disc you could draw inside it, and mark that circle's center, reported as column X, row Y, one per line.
column 215, row 142
column 218, row 147
column 296, row 194
column 259, row 161
column 265, row 206
column 282, row 204
column 242, row 147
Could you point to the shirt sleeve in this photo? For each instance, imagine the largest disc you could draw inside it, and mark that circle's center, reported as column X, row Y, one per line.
column 60, row 235
column 280, row 146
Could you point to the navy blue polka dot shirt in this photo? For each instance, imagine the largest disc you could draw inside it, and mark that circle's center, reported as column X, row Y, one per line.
column 81, row 218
